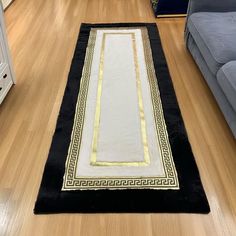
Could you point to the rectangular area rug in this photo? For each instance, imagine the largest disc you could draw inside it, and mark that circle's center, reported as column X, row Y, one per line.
column 120, row 143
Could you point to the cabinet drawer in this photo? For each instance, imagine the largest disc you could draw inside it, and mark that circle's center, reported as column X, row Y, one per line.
column 1, row 86
column 5, row 79
column 6, row 76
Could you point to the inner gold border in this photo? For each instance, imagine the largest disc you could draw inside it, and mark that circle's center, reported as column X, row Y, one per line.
column 94, row 161
column 73, row 182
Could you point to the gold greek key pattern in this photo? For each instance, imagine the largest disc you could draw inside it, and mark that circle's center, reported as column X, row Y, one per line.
column 120, row 183
column 72, row 182
column 161, row 130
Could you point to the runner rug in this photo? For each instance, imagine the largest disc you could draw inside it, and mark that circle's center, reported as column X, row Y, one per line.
column 120, row 144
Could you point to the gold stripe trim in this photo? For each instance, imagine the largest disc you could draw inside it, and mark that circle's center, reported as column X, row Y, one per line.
column 94, row 161
column 98, row 104
column 140, row 102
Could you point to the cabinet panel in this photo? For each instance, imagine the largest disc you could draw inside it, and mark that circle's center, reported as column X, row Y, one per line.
column 6, row 69
column 6, row 3
column 1, row 86
column 2, row 54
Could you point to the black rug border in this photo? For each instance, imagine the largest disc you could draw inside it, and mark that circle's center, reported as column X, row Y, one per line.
column 190, row 198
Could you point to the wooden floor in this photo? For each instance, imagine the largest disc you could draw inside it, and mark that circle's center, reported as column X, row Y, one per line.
column 42, row 36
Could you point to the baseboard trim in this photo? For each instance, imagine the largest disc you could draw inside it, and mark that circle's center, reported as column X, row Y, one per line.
column 171, row 15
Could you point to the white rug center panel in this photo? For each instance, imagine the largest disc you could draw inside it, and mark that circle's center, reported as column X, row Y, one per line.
column 119, row 134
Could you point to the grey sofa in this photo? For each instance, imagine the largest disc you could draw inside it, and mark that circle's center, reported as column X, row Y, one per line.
column 210, row 36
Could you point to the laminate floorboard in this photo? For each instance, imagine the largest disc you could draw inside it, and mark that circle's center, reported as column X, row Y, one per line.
column 42, row 37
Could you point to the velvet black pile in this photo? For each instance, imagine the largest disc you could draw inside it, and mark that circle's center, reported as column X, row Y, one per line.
column 189, row 199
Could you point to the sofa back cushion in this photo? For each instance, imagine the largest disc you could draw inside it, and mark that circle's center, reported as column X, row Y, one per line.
column 215, row 35
column 211, row 6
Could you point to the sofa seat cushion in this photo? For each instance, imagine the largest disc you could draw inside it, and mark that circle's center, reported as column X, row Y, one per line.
column 226, row 78
column 215, row 35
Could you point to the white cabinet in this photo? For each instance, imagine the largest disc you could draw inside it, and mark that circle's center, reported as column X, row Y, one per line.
column 7, row 77
column 6, row 3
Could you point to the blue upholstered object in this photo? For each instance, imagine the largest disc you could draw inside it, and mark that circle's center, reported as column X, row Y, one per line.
column 169, row 7
column 215, row 35
column 210, row 35
column 226, row 79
